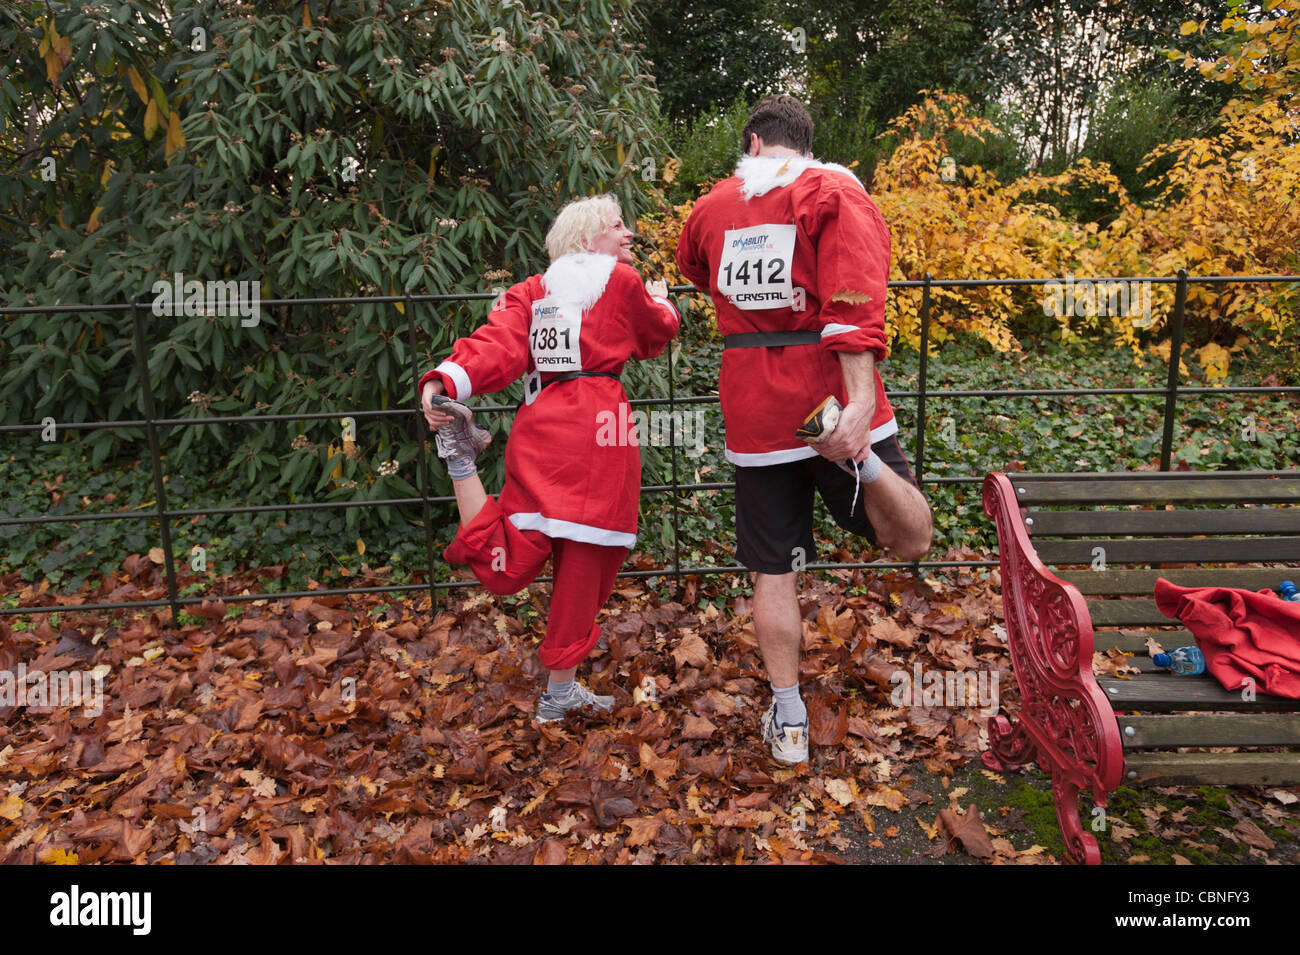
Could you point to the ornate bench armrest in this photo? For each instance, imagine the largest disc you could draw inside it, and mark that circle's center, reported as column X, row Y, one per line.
column 1066, row 722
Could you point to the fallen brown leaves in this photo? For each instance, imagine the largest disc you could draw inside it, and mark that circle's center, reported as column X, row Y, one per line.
column 361, row 730
column 1113, row 663
column 968, row 829
column 1189, row 827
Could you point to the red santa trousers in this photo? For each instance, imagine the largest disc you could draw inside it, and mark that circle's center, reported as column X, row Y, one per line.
column 506, row 559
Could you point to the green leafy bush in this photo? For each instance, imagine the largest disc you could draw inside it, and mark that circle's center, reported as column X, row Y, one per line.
column 710, row 150
column 319, row 149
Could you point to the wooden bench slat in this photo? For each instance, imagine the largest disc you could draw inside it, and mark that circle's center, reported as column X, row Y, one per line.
column 1212, row 769
column 1237, row 520
column 1210, row 729
column 1176, row 638
column 1162, row 490
column 1140, row 582
column 1142, row 660
column 1135, row 641
column 1165, row 692
column 1127, row 613
column 1171, row 550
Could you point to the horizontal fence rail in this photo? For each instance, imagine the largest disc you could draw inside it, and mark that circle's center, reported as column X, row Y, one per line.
column 922, row 395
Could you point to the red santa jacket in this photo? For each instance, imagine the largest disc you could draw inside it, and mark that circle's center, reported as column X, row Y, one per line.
column 1243, row 634
column 789, row 243
column 570, row 471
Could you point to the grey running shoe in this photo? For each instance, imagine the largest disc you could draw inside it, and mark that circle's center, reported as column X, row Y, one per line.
column 550, row 709
column 462, row 438
column 789, row 742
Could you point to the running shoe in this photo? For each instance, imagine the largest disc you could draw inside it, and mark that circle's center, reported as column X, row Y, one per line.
column 788, row 742
column 462, row 438
column 550, row 708
column 819, row 426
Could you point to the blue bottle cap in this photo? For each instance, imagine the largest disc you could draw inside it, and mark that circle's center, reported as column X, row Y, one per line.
column 1162, row 660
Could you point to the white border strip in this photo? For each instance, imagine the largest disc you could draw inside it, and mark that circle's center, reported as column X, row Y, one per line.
column 569, row 530
column 764, row 458
column 835, row 328
column 884, row 431
column 786, row 455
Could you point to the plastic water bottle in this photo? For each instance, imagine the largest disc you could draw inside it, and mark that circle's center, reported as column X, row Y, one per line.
column 1288, row 591
column 1185, row 661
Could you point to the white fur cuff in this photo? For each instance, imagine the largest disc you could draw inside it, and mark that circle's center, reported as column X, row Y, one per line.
column 459, row 377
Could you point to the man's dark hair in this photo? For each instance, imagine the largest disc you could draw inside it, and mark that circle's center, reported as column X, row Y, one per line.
column 779, row 121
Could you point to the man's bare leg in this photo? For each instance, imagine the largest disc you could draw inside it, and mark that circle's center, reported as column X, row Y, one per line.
column 778, row 626
column 897, row 510
column 899, row 514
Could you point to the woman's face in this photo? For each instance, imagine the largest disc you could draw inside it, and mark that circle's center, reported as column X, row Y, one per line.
column 615, row 239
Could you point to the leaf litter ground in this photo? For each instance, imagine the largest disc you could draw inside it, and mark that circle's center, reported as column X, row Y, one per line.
column 363, row 730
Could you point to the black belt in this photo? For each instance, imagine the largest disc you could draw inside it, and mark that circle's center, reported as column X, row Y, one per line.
column 569, row 375
column 808, row 336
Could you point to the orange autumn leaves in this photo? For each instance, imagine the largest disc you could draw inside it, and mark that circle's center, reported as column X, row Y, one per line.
column 322, row 729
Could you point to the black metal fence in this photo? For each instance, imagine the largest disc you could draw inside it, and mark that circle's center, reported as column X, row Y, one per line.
column 164, row 515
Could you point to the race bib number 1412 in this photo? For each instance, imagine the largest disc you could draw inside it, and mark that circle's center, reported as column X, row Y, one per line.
column 755, row 269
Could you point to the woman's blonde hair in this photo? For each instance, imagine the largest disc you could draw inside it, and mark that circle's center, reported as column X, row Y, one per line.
column 579, row 222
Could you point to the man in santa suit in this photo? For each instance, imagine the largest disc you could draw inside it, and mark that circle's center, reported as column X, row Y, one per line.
column 796, row 258
column 572, row 481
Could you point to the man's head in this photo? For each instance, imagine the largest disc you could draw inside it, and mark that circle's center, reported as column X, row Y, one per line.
column 778, row 121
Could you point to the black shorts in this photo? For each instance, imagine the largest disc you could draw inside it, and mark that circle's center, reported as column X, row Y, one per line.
column 774, row 507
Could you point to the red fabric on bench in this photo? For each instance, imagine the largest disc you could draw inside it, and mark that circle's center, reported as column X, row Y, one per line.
column 1242, row 633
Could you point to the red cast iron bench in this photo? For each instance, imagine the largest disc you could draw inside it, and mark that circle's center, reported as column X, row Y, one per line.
column 1080, row 554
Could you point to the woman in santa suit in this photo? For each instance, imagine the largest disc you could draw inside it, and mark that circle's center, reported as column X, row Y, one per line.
column 572, row 481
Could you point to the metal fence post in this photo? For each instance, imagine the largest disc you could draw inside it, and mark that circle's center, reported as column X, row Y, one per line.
column 672, row 419
column 922, row 371
column 1175, row 359
column 424, row 449
column 160, row 493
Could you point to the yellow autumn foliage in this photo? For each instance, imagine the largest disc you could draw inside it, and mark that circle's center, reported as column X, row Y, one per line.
column 662, row 232
column 1214, row 362
column 1228, row 206
column 1261, row 54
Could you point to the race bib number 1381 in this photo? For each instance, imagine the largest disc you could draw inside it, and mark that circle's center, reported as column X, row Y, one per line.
column 754, row 271
column 553, row 336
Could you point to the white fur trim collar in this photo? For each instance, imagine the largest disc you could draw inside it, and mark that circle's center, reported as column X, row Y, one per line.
column 761, row 174
column 579, row 278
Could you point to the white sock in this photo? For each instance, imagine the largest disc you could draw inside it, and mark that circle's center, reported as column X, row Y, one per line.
column 789, row 706
column 870, row 467
column 461, row 467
